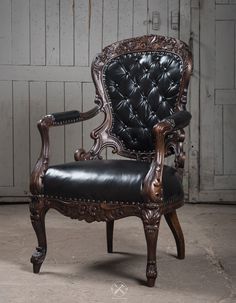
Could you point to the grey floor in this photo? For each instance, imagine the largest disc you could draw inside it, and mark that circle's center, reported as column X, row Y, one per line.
column 78, row 269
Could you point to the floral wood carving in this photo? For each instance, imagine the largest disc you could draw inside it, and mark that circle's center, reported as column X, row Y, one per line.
column 151, row 221
column 92, row 211
column 152, row 187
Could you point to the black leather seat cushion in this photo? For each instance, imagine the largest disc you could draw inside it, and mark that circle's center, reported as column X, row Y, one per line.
column 107, row 180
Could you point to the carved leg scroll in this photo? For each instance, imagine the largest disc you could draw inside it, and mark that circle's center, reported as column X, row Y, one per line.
column 110, row 228
column 173, row 222
column 38, row 211
column 151, row 221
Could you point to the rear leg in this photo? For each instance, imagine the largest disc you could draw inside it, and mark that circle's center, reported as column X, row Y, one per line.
column 173, row 222
column 109, row 230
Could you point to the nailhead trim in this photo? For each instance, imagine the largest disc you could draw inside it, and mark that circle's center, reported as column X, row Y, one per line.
column 168, row 202
column 90, row 200
column 66, row 121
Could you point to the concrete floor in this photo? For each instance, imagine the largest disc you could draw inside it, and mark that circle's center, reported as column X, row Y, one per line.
column 78, row 269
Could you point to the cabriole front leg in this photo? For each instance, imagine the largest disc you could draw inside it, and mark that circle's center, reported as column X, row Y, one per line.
column 151, row 221
column 38, row 211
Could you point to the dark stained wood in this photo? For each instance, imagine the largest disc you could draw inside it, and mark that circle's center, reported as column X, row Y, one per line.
column 109, row 230
column 38, row 211
column 168, row 141
column 151, row 221
column 173, row 222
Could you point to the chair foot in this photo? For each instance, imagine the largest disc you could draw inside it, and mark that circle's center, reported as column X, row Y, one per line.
column 36, row 267
column 151, row 221
column 151, row 282
column 173, row 222
column 37, row 215
column 109, row 229
column 151, row 273
column 37, row 259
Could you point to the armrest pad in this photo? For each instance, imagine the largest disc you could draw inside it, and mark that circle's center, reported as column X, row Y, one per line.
column 65, row 117
column 179, row 119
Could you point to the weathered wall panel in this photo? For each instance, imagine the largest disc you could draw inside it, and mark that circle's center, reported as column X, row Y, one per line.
column 52, row 32
column 20, row 47
column 6, row 134
column 5, row 31
column 21, row 132
column 37, row 32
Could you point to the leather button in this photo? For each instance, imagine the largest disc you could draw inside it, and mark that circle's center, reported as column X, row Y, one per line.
column 138, row 79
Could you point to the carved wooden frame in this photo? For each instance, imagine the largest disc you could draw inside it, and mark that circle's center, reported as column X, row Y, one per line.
column 168, row 141
column 102, row 135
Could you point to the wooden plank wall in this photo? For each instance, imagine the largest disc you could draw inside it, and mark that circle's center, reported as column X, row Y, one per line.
column 225, row 96
column 46, row 48
column 217, row 148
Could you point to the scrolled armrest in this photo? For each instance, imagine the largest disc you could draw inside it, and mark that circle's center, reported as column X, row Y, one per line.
column 54, row 119
column 179, row 119
column 65, row 117
column 68, row 117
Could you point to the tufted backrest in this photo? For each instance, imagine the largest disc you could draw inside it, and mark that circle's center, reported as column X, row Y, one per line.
column 142, row 89
column 139, row 82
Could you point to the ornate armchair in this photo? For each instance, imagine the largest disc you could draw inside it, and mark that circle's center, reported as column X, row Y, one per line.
column 141, row 87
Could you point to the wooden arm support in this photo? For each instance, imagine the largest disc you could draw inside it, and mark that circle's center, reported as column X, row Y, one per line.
column 152, row 186
column 173, row 125
column 56, row 119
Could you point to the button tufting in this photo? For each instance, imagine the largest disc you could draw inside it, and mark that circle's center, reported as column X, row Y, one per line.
column 132, row 128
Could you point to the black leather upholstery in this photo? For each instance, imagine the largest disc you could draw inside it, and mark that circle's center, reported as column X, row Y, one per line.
column 180, row 119
column 143, row 89
column 108, row 180
column 66, row 117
